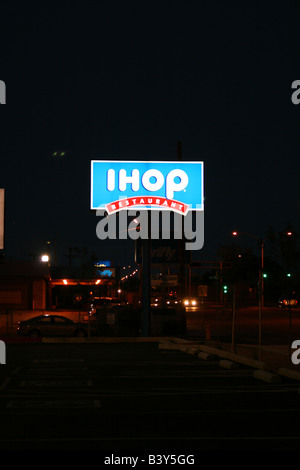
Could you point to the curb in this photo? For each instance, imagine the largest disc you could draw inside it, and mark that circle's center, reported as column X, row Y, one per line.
column 262, row 371
column 291, row 374
column 105, row 339
column 212, row 352
column 228, row 364
column 235, row 357
column 266, row 376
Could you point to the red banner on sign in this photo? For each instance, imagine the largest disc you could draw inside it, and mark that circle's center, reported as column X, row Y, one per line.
column 140, row 201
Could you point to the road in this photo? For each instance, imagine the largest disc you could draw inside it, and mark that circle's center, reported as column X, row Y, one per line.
column 116, row 397
column 275, row 325
column 208, row 318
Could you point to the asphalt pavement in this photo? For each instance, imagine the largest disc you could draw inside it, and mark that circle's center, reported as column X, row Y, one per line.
column 154, row 395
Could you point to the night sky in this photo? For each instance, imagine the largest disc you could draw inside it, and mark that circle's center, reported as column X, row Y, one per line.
column 127, row 80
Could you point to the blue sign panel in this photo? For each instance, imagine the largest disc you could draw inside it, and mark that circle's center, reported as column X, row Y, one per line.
column 101, row 264
column 105, row 272
column 119, row 185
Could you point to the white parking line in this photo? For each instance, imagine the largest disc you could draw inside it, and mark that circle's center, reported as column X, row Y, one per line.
column 48, row 403
column 152, row 438
column 184, row 392
column 56, row 360
column 56, row 383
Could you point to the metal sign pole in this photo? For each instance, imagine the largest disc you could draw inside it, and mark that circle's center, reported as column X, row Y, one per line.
column 146, row 282
column 233, row 320
column 290, row 328
column 181, row 242
column 259, row 314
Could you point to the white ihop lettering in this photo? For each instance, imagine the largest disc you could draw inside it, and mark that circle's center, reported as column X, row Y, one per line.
column 153, row 186
column 134, row 180
column 110, row 180
column 171, row 186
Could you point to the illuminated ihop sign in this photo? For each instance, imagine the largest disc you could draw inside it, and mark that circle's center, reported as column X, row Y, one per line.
column 124, row 185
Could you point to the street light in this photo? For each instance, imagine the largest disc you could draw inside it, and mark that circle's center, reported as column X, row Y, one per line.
column 260, row 282
column 45, row 258
column 261, row 275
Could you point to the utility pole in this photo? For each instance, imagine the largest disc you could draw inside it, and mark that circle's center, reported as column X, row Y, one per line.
column 221, row 282
column 262, row 272
column 261, row 299
column 233, row 319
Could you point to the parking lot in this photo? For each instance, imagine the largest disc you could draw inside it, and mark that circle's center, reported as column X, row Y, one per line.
column 120, row 395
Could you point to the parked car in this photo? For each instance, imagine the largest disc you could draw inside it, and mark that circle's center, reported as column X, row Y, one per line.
column 170, row 301
column 52, row 325
column 91, row 316
column 288, row 300
column 103, row 302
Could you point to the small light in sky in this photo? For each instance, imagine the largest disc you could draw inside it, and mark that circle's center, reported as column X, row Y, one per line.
column 58, row 154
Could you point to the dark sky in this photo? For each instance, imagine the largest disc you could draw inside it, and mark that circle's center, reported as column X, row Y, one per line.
column 127, row 80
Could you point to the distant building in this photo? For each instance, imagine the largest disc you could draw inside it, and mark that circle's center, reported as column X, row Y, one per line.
column 38, row 286
column 72, row 287
column 24, row 285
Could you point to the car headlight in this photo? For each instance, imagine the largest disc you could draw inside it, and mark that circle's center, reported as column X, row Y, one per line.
column 194, row 302
column 186, row 302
